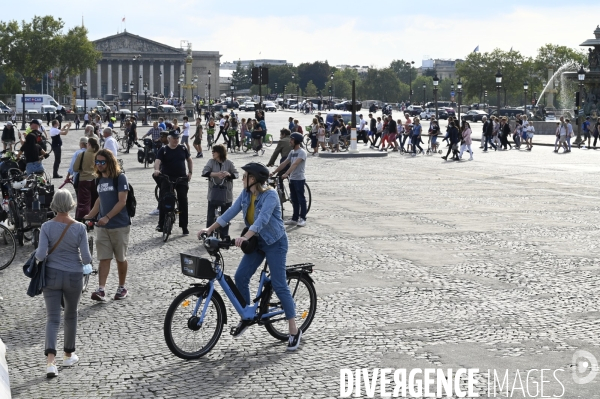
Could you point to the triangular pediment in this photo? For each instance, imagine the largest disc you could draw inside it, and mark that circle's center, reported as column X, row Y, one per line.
column 128, row 43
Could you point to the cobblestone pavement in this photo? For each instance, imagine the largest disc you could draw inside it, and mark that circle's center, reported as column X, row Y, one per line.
column 490, row 264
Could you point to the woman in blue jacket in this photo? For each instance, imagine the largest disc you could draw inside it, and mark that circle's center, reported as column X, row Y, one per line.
column 261, row 209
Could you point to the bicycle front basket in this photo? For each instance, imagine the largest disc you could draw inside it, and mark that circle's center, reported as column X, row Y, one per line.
column 197, row 267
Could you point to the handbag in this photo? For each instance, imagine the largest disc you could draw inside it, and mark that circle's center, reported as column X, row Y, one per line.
column 76, row 178
column 37, row 270
column 251, row 244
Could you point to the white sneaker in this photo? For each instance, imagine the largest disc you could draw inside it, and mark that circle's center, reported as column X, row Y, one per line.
column 301, row 222
column 154, row 212
column 51, row 370
column 70, row 361
column 290, row 222
column 470, row 159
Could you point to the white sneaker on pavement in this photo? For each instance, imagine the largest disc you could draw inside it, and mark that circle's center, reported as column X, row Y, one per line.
column 301, row 222
column 290, row 222
column 154, row 212
column 70, row 361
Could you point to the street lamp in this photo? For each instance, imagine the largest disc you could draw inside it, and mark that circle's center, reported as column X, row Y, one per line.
column 581, row 78
column 162, row 89
column 459, row 87
column 209, row 90
column 145, row 107
column 525, row 88
column 498, row 87
column 23, row 88
column 436, row 81
column 84, row 97
column 331, row 90
column 424, row 94
column 195, row 84
column 232, row 87
column 131, row 86
column 409, row 65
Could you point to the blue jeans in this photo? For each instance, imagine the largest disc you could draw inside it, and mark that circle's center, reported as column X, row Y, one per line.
column 276, row 254
column 34, row 167
column 298, row 199
column 488, row 139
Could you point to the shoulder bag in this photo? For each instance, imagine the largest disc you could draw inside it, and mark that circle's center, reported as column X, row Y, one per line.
column 76, row 178
column 37, row 270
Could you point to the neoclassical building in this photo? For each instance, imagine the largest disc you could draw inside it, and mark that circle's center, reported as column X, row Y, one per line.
column 130, row 58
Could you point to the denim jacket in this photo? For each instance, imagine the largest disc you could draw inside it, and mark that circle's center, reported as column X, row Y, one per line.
column 267, row 215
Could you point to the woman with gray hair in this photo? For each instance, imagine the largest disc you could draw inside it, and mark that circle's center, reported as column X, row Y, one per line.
column 64, row 243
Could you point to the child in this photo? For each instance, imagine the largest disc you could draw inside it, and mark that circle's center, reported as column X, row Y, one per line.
column 197, row 138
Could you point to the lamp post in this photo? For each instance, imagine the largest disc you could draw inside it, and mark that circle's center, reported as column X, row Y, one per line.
column 162, row 89
column 145, row 119
column 459, row 87
column 284, row 87
column 293, row 80
column 498, row 87
column 424, row 94
column 298, row 97
column 452, row 91
column 232, row 87
column 195, row 84
column 581, row 78
column 137, row 93
column 409, row 65
column 525, row 88
column 436, row 82
column 131, row 86
column 209, row 90
column 331, row 93
column 84, row 97
column 23, row 88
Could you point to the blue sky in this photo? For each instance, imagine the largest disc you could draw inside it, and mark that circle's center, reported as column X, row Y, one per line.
column 342, row 32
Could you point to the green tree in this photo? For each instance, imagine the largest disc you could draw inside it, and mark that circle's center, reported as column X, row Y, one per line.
column 319, row 72
column 240, row 77
column 311, row 89
column 76, row 53
column 554, row 56
column 403, row 72
column 380, row 84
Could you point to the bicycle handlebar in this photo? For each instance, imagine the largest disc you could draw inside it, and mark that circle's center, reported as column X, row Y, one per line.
column 169, row 179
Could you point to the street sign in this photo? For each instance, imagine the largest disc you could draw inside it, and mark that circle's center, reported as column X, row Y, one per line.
column 452, row 94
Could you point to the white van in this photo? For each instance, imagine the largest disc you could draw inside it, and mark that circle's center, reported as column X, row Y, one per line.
column 92, row 103
column 35, row 102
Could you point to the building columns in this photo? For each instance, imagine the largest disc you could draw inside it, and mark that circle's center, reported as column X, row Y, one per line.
column 120, row 80
column 151, row 78
column 99, row 80
column 110, row 82
column 162, row 78
column 172, row 79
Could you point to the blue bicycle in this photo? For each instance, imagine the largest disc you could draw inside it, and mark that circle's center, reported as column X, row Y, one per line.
column 195, row 319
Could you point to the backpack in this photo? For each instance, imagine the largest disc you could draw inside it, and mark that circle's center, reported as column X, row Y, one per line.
column 131, row 203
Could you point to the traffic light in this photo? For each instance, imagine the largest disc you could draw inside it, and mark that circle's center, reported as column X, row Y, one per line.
column 485, row 93
column 275, row 86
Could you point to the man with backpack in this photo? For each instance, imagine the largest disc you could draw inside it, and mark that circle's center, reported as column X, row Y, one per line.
column 112, row 235
column 488, row 131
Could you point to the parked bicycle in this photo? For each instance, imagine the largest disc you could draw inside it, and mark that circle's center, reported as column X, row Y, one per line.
column 194, row 321
column 284, row 193
column 170, row 205
column 8, row 245
column 146, row 155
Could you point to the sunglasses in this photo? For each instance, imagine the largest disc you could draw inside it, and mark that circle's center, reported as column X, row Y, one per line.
column 101, row 163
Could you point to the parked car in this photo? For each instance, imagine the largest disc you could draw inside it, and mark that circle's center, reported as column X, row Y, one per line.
column 249, row 106
column 270, row 106
column 442, row 113
column 450, row 112
column 168, row 109
column 341, row 105
column 414, row 110
column 427, row 113
column 232, row 104
column 153, row 110
column 474, row 116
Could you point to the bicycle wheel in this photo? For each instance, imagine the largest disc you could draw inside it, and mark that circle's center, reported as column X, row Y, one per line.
column 145, row 158
column 308, row 196
column 184, row 337
column 305, row 298
column 17, row 146
column 167, row 226
column 246, row 145
column 123, row 144
column 156, row 191
column 16, row 220
column 343, row 146
column 8, row 247
column 268, row 141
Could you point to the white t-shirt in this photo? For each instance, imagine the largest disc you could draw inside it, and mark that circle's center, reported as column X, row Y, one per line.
column 362, row 125
column 54, row 132
column 186, row 129
column 111, row 144
column 222, row 122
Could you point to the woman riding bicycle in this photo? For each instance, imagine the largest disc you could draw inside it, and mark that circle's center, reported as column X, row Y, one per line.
column 262, row 214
